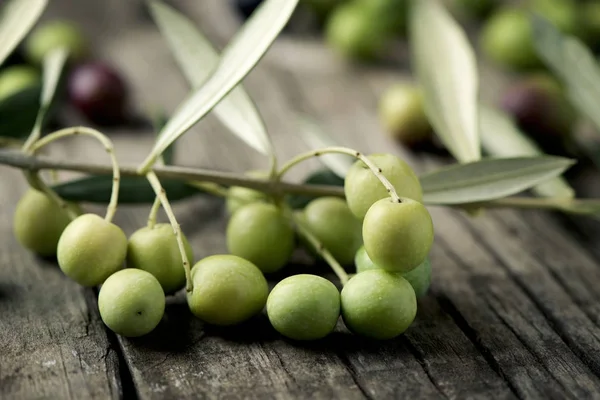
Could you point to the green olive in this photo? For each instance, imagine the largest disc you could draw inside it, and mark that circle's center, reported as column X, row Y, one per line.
column 91, row 249
column 355, row 33
column 362, row 188
column 53, row 35
column 402, row 113
column 338, row 230
column 260, row 233
column 38, row 222
column 156, row 250
column 378, row 304
column 398, row 236
column 304, row 307
column 227, row 290
column 16, row 79
column 238, row 196
column 419, row 278
column 131, row 302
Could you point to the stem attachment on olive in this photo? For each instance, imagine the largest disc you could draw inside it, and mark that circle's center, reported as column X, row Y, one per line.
column 162, row 195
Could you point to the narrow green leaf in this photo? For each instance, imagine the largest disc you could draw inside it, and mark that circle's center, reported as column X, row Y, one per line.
column 500, row 137
column 489, row 179
column 18, row 113
column 17, row 17
column 446, row 69
column 239, row 57
column 133, row 190
column 197, row 58
column 316, row 138
column 573, row 63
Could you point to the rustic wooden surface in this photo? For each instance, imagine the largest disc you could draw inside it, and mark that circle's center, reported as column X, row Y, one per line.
column 513, row 312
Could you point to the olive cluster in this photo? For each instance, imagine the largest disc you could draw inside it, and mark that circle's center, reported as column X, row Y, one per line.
column 387, row 237
column 94, row 88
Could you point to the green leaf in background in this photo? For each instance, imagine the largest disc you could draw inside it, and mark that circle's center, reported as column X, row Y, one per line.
column 316, row 138
column 159, row 119
column 321, row 177
column 446, row 69
column 573, row 63
column 54, row 64
column 17, row 17
column 489, row 179
column 18, row 113
column 133, row 190
column 197, row 58
column 239, row 57
column 500, row 137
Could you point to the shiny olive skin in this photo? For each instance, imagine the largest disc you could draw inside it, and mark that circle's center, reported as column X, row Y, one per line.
column 17, row 78
column 260, row 233
column 131, row 302
column 378, row 304
column 353, row 32
column 227, row 290
column 362, row 188
column 398, row 236
column 53, row 35
column 304, row 307
column 91, row 249
column 238, row 196
column 38, row 222
column 155, row 250
column 402, row 113
column 338, row 230
column 419, row 278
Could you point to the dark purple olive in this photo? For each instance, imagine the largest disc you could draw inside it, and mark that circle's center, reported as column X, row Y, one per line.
column 539, row 107
column 99, row 93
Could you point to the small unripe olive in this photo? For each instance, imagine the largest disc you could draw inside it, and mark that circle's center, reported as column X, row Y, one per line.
column 304, row 307
column 539, row 106
column 419, row 278
column 38, row 222
column 91, row 249
column 131, row 302
column 227, row 290
column 338, row 230
column 17, row 78
column 260, row 233
column 378, row 304
column 402, row 114
column 53, row 35
column 355, row 33
column 390, row 14
column 156, row 250
column 398, row 236
column 362, row 188
column 239, row 196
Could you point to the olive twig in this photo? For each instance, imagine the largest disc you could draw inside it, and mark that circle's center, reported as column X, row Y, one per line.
column 327, row 256
column 210, row 187
column 343, row 150
column 108, row 146
column 154, row 212
column 162, row 195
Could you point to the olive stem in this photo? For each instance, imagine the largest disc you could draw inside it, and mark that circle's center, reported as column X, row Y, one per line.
column 154, row 212
column 343, row 150
column 316, row 243
column 108, row 146
column 37, row 183
column 162, row 195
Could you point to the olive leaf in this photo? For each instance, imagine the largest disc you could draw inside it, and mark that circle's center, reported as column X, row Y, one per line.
column 489, row 179
column 17, row 17
column 573, row 63
column 237, row 60
column 316, row 138
column 132, row 190
column 54, row 63
column 18, row 113
column 320, row 177
column 446, row 69
column 197, row 58
column 159, row 119
column 500, row 137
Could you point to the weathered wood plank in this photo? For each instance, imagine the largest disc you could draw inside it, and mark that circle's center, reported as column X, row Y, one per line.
column 52, row 344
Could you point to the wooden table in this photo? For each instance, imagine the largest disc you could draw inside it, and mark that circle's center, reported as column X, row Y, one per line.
column 514, row 310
